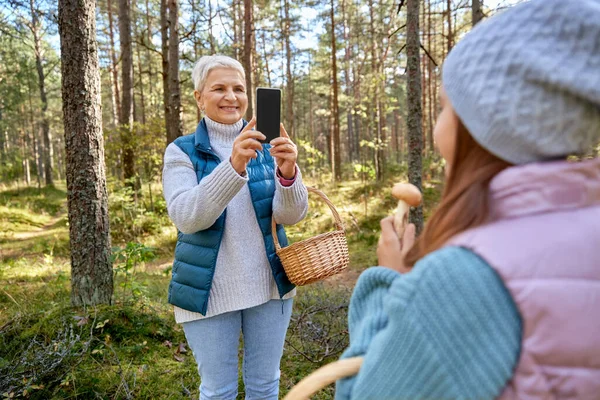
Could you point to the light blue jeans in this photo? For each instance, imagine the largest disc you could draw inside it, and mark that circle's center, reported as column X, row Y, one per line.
column 215, row 341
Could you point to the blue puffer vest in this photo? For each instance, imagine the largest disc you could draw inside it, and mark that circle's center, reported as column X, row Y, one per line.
column 196, row 254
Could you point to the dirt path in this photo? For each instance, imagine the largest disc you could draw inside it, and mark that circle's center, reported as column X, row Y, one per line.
column 41, row 231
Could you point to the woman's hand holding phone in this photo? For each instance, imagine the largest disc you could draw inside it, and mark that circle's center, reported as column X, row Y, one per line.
column 245, row 147
column 285, row 153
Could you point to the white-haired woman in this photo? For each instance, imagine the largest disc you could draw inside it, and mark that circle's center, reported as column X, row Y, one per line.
column 222, row 186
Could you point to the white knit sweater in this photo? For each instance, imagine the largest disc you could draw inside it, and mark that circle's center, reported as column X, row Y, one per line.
column 243, row 277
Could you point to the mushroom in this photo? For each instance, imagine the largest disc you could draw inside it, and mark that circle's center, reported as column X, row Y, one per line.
column 408, row 196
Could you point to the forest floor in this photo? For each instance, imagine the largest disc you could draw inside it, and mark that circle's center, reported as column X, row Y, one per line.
column 133, row 348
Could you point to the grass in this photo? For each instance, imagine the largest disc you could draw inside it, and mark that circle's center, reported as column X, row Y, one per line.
column 133, row 348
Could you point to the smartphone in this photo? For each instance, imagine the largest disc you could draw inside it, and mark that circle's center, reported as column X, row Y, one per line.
column 268, row 112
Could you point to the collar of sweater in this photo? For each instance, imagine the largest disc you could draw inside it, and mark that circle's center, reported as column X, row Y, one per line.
column 222, row 135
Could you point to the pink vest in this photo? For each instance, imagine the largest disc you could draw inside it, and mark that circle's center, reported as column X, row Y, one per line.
column 543, row 239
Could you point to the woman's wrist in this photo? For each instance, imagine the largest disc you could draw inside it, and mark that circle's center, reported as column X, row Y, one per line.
column 287, row 175
column 284, row 181
column 240, row 171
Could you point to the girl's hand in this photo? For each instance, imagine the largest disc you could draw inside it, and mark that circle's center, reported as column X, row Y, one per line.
column 245, row 147
column 285, row 153
column 391, row 249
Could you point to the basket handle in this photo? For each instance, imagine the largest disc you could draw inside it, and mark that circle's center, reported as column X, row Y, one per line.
column 336, row 216
column 323, row 377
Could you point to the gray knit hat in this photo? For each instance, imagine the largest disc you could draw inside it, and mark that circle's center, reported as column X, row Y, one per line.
column 526, row 83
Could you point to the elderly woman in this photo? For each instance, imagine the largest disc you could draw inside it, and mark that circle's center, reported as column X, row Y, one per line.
column 222, row 187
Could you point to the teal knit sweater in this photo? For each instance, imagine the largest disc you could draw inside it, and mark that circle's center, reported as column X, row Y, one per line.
column 449, row 329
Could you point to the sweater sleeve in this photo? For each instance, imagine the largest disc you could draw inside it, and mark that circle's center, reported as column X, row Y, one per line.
column 290, row 203
column 194, row 206
column 448, row 329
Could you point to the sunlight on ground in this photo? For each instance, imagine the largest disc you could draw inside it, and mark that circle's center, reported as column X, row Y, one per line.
column 27, row 268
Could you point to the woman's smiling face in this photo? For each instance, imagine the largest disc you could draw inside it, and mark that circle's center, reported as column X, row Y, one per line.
column 223, row 97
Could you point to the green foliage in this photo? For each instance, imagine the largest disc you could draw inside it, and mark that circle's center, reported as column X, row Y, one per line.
column 47, row 200
column 147, row 141
column 11, row 168
column 310, row 158
column 364, row 171
column 125, row 260
column 131, row 216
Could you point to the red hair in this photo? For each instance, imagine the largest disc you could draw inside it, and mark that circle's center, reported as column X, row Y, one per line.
column 464, row 203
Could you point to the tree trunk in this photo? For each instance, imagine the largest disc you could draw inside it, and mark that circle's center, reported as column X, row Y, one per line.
column 25, row 151
column 413, row 101
column 59, row 158
column 39, row 160
column 356, row 88
column 266, row 59
column 435, row 74
column 398, row 136
column 126, row 114
column 4, row 140
column 311, row 121
column 114, row 69
column 89, row 233
column 449, row 21
column 164, row 35
column 476, row 12
column 34, row 140
column 174, row 122
column 141, row 112
column 45, row 124
column 235, row 22
column 238, row 28
column 211, row 38
column 149, row 58
column 424, row 81
column 336, row 169
column 348, row 83
column 198, row 49
column 376, row 101
column 289, row 79
column 247, row 56
column 429, row 82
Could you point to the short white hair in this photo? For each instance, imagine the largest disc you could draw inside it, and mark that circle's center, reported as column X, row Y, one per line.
column 207, row 63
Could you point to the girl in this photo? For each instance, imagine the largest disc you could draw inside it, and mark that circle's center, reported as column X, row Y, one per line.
column 500, row 295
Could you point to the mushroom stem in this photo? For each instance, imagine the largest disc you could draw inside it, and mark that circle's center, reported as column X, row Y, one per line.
column 401, row 217
column 408, row 195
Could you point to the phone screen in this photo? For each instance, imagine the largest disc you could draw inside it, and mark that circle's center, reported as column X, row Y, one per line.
column 268, row 112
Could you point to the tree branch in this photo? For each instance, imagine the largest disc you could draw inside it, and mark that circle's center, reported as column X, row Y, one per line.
column 400, row 51
column 144, row 45
column 400, row 6
column 50, row 69
column 393, row 33
column 188, row 34
column 222, row 23
column 428, row 55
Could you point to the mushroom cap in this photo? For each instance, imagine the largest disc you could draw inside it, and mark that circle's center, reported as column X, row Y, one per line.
column 407, row 192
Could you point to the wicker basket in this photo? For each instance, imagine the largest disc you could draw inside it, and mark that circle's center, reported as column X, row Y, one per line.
column 323, row 377
column 318, row 257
